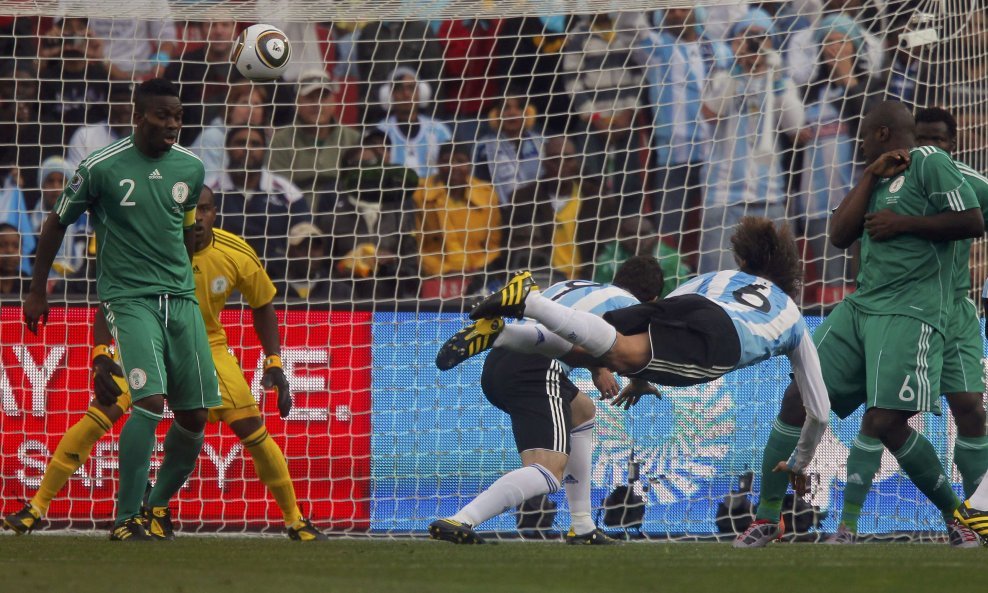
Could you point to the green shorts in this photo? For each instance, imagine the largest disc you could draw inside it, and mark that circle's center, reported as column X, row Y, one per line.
column 891, row 362
column 963, row 365
column 163, row 349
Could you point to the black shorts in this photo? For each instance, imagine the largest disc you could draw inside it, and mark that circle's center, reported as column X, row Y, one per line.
column 693, row 339
column 536, row 393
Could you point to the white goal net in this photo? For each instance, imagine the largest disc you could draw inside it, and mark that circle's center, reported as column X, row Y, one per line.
column 411, row 157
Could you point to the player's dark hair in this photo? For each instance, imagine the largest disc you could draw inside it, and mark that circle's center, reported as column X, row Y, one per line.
column 155, row 87
column 764, row 250
column 933, row 115
column 642, row 276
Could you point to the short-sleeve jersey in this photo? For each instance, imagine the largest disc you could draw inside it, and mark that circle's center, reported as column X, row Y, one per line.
column 590, row 297
column 909, row 275
column 138, row 206
column 768, row 322
column 962, row 261
column 225, row 265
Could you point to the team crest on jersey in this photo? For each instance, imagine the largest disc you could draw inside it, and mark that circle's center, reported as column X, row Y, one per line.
column 180, row 192
column 137, row 378
column 75, row 183
column 897, row 184
column 219, row 284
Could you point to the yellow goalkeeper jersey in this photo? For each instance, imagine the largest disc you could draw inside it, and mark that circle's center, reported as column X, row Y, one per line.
column 225, row 265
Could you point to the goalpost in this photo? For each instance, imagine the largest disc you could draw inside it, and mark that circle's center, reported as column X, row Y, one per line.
column 582, row 119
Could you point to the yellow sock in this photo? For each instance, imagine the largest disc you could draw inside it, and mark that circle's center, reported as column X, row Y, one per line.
column 272, row 469
column 72, row 451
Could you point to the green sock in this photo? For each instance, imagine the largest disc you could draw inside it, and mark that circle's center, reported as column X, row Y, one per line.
column 182, row 449
column 781, row 443
column 137, row 442
column 862, row 465
column 919, row 460
column 971, row 457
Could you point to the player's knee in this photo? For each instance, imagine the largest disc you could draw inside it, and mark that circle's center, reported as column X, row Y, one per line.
column 889, row 426
column 583, row 409
column 245, row 427
column 154, row 404
column 792, row 411
column 192, row 420
column 968, row 410
column 112, row 412
column 553, row 461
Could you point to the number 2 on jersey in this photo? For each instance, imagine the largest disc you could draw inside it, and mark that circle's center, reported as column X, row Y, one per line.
column 130, row 189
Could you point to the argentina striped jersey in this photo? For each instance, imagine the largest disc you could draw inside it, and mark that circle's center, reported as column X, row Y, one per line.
column 766, row 319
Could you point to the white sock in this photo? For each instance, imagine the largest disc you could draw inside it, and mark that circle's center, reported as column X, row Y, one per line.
column 509, row 491
column 979, row 499
column 586, row 330
column 532, row 338
column 577, row 477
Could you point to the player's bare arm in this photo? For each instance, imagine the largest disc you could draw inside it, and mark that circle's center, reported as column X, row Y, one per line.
column 945, row 226
column 36, row 302
column 848, row 220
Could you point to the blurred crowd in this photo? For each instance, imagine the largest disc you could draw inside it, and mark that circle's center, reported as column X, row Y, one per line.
column 427, row 159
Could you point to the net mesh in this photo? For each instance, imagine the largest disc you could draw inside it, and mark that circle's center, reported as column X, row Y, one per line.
column 402, row 166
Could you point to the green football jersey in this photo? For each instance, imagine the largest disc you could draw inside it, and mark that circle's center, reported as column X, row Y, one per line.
column 138, row 206
column 963, row 262
column 908, row 275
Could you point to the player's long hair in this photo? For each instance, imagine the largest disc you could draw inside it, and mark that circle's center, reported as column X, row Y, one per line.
column 770, row 252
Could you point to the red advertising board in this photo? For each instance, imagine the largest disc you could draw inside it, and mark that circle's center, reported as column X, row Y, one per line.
column 45, row 387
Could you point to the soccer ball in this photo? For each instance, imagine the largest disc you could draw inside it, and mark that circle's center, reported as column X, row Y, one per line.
column 262, row 52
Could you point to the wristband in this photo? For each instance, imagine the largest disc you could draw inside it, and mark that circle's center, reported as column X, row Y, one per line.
column 272, row 362
column 101, row 350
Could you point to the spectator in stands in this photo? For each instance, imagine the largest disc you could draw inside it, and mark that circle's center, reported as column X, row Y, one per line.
column 23, row 138
column 255, row 203
column 55, row 174
column 13, row 280
column 604, row 85
column 204, row 75
column 804, row 46
column 306, row 275
column 380, row 45
column 74, row 88
column 637, row 236
column 92, row 137
column 555, row 232
column 835, row 102
column 748, row 107
column 509, row 156
column 137, row 49
column 459, row 226
column 414, row 137
column 245, row 106
column 469, row 72
column 372, row 226
column 18, row 37
column 679, row 60
column 14, row 211
column 309, row 152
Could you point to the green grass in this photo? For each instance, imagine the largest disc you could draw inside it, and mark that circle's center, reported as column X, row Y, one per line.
column 241, row 565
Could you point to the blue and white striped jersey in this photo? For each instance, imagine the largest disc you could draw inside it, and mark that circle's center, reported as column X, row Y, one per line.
column 766, row 319
column 592, row 297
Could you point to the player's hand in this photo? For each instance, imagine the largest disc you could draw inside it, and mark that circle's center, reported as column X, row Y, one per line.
column 274, row 378
column 884, row 225
column 108, row 380
column 604, row 381
column 800, row 482
column 633, row 392
column 35, row 310
column 891, row 163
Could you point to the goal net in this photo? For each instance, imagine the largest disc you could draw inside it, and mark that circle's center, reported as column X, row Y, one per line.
column 410, row 158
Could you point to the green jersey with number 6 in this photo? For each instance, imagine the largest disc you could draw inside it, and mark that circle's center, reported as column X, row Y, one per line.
column 138, row 205
column 909, row 275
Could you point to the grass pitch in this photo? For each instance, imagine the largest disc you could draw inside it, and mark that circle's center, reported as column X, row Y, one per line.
column 76, row 564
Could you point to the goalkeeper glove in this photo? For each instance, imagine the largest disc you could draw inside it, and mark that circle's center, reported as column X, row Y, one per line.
column 109, row 382
column 274, row 377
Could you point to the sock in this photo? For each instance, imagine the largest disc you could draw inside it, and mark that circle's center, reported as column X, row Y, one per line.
column 979, row 499
column 530, row 338
column 182, row 449
column 971, row 457
column 272, row 469
column 72, row 451
column 137, row 442
column 509, row 491
column 919, row 460
column 781, row 443
column 586, row 330
column 862, row 465
column 576, row 477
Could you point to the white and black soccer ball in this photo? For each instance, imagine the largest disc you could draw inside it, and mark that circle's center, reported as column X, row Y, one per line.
column 262, row 52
